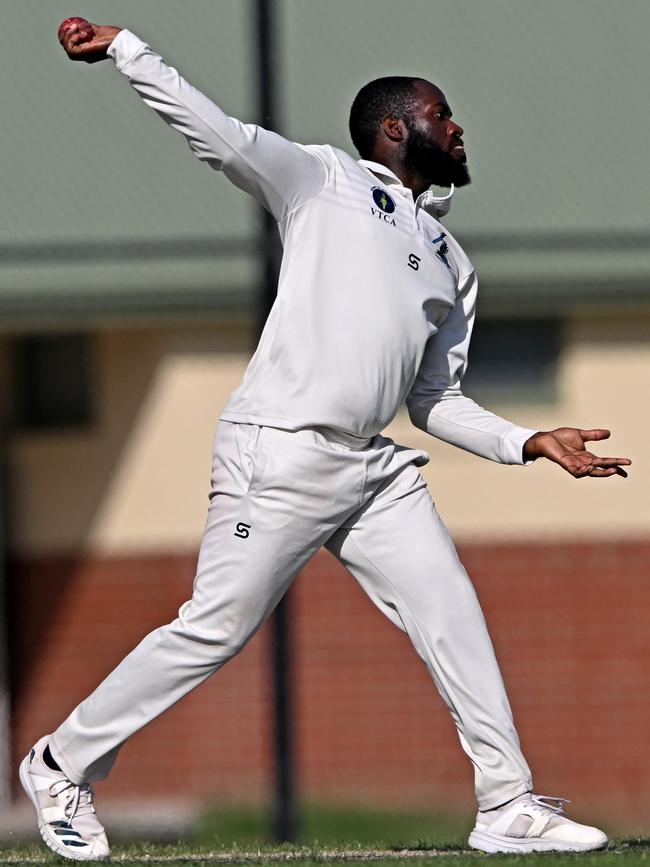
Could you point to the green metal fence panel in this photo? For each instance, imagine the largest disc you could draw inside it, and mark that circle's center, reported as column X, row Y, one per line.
column 105, row 209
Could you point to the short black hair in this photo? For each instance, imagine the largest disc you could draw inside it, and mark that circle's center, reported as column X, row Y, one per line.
column 393, row 96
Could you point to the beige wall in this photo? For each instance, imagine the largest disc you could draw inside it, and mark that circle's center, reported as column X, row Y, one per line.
column 138, row 479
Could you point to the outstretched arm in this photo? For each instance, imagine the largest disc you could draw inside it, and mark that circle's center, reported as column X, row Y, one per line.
column 281, row 175
column 437, row 405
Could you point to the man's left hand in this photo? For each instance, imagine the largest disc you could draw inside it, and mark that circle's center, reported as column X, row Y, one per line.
column 566, row 446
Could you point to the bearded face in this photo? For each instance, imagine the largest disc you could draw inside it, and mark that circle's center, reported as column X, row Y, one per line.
column 442, row 166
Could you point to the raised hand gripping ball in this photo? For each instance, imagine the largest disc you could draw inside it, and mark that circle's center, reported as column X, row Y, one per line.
column 86, row 31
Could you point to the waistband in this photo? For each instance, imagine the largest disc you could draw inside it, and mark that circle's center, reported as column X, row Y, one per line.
column 348, row 441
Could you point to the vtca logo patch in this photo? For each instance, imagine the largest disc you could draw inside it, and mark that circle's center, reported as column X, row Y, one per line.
column 385, row 206
column 383, row 200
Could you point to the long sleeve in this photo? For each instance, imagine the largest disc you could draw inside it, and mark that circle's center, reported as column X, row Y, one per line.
column 281, row 175
column 437, row 405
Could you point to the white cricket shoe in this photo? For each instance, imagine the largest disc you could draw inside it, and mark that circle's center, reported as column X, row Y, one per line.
column 531, row 824
column 66, row 815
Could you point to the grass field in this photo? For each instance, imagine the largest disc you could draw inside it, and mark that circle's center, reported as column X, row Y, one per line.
column 335, row 835
column 623, row 853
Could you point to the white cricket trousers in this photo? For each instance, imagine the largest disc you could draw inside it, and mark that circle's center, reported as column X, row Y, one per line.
column 277, row 496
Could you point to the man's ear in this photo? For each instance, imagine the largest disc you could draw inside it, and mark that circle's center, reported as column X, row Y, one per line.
column 394, row 129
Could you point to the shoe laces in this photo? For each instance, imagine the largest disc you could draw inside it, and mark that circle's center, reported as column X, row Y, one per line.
column 79, row 799
column 556, row 805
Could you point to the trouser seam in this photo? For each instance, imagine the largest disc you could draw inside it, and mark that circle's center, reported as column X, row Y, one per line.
column 364, row 479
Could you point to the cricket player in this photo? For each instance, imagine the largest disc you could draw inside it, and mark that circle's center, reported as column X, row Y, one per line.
column 375, row 308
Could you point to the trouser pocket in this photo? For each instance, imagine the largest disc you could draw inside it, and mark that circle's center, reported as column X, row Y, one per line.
column 248, row 438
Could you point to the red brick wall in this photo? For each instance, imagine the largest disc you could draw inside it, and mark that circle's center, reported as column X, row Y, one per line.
column 569, row 623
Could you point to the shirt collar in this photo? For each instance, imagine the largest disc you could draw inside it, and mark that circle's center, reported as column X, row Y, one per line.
column 437, row 206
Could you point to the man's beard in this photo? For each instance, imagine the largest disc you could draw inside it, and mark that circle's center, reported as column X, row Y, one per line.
column 424, row 157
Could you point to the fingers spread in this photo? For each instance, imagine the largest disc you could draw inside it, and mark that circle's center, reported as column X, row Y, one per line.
column 584, row 464
column 602, row 467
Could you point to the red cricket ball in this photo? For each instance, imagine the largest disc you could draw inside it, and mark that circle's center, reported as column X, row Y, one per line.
column 85, row 28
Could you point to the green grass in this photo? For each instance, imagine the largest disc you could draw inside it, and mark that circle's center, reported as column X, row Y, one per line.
column 622, row 853
column 335, row 825
column 337, row 836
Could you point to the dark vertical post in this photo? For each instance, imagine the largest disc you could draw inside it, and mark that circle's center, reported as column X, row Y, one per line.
column 284, row 812
column 285, row 821
column 5, row 703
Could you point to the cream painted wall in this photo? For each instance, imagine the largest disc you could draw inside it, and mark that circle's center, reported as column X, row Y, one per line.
column 138, row 480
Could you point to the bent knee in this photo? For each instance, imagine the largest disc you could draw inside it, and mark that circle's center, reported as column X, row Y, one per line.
column 221, row 637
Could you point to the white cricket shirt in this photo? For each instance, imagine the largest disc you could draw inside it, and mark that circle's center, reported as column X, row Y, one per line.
column 376, row 299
